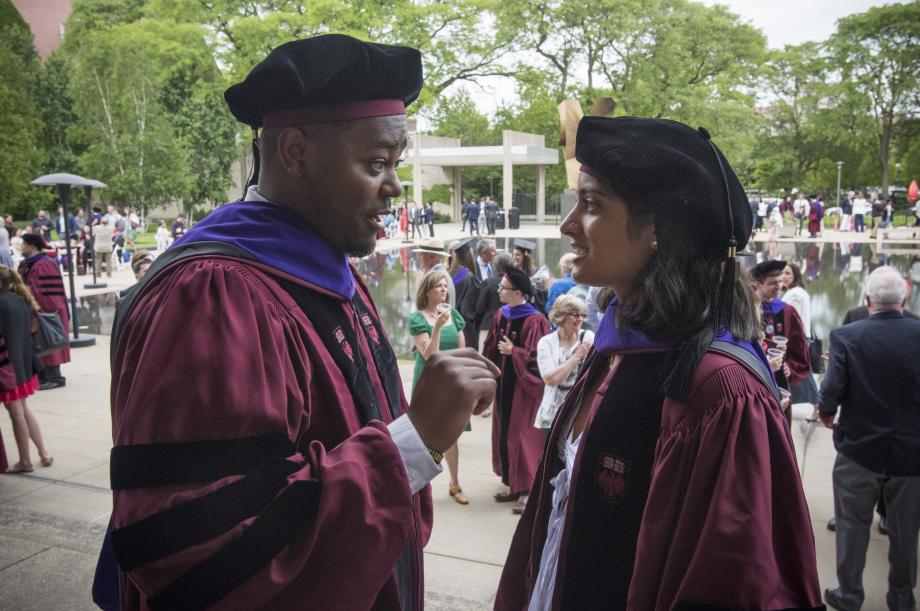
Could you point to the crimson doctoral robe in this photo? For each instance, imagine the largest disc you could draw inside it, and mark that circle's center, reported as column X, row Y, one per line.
column 516, row 443
column 217, row 364
column 722, row 518
column 45, row 281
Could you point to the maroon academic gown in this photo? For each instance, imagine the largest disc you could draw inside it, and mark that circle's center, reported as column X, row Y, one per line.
column 788, row 323
column 725, row 523
column 522, row 442
column 45, row 281
column 216, row 349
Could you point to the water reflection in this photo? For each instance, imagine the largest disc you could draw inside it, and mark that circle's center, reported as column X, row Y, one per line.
column 834, row 273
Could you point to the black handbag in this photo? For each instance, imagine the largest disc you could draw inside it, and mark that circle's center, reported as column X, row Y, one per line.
column 816, row 352
column 50, row 336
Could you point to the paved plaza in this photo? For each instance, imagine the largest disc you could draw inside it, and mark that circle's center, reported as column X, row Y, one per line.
column 52, row 520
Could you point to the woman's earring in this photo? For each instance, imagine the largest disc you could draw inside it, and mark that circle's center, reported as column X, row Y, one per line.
column 654, row 244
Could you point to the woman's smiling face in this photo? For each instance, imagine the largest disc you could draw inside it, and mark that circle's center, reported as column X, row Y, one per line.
column 605, row 252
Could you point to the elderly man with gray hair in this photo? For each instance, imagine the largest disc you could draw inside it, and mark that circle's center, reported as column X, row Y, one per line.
column 874, row 377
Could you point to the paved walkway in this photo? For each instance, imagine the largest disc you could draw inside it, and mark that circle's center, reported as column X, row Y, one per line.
column 52, row 520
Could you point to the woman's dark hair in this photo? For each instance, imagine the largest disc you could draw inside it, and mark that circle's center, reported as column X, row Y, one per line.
column 796, row 275
column 458, row 260
column 677, row 297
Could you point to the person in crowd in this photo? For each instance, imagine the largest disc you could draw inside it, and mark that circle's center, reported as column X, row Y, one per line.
column 780, row 319
column 512, row 345
column 178, row 228
column 42, row 225
column 132, row 227
column 877, row 206
column 275, row 473
column 466, row 281
column 887, row 217
column 796, row 297
column 560, row 355
column 163, row 238
column 565, row 283
column 60, row 223
column 523, row 256
column 873, row 377
column 389, row 224
column 669, row 478
column 436, row 326
column 490, row 208
column 418, row 219
column 484, row 257
column 472, row 213
column 87, row 255
column 141, row 260
column 16, row 311
column 9, row 226
column 6, row 250
column 433, row 255
column 103, row 246
column 861, row 208
column 429, row 218
column 79, row 222
column 464, row 216
column 595, row 314
column 43, row 278
column 846, row 211
column 488, row 301
column 800, row 210
column 815, row 216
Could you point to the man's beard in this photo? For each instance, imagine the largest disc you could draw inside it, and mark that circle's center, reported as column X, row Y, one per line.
column 361, row 250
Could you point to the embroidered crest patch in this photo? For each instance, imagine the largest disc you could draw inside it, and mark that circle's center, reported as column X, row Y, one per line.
column 611, row 477
column 343, row 342
column 370, row 328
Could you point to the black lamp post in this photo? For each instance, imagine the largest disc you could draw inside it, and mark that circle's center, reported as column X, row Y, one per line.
column 64, row 182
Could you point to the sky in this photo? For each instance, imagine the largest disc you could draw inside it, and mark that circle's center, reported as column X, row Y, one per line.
column 782, row 21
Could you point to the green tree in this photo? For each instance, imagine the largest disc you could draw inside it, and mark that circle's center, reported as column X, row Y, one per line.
column 879, row 54
column 20, row 127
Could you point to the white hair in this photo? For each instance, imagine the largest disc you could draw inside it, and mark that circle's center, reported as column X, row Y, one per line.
column 567, row 263
column 886, row 286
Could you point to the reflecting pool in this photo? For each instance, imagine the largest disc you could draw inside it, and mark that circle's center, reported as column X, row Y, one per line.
column 834, row 274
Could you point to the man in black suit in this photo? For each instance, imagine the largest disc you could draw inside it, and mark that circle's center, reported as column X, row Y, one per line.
column 491, row 210
column 874, row 376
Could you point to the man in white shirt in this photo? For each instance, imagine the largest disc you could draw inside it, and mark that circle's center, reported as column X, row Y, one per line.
column 484, row 258
column 800, row 209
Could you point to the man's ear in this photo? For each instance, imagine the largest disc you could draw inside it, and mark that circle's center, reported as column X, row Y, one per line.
column 294, row 151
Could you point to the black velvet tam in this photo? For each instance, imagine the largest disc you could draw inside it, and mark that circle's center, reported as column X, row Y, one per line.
column 668, row 168
column 324, row 73
column 765, row 269
column 519, row 280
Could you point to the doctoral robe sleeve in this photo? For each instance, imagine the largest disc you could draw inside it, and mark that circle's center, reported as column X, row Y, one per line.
column 524, row 357
column 797, row 355
column 726, row 525
column 210, row 366
column 490, row 346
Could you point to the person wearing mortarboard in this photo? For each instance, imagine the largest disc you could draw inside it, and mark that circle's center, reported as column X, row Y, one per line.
column 43, row 276
column 268, row 457
column 669, row 479
column 523, row 255
column 465, row 277
column 512, row 345
column 778, row 318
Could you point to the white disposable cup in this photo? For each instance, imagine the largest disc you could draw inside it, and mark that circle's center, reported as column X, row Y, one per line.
column 442, row 307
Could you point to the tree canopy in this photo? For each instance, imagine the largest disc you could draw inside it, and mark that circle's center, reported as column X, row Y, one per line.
column 134, row 96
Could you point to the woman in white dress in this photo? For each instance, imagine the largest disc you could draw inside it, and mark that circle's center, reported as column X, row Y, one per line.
column 796, row 296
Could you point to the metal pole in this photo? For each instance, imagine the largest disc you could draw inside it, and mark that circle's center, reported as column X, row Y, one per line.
column 64, row 193
column 839, row 169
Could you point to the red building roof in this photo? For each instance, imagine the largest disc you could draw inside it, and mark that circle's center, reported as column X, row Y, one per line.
column 46, row 18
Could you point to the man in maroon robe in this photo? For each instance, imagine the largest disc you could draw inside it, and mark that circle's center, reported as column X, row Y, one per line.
column 512, row 345
column 780, row 319
column 42, row 275
column 264, row 456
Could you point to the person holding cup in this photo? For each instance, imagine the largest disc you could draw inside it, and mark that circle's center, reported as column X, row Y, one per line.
column 435, row 326
column 782, row 326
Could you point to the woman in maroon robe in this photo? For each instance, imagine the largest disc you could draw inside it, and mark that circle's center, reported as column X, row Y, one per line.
column 44, row 279
column 669, row 479
column 512, row 345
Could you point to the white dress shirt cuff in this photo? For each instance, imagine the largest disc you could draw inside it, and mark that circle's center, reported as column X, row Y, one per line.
column 420, row 467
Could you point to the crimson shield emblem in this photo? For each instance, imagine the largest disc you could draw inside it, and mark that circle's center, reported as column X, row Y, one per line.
column 611, row 477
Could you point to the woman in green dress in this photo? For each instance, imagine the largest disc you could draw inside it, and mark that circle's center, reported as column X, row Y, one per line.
column 436, row 325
